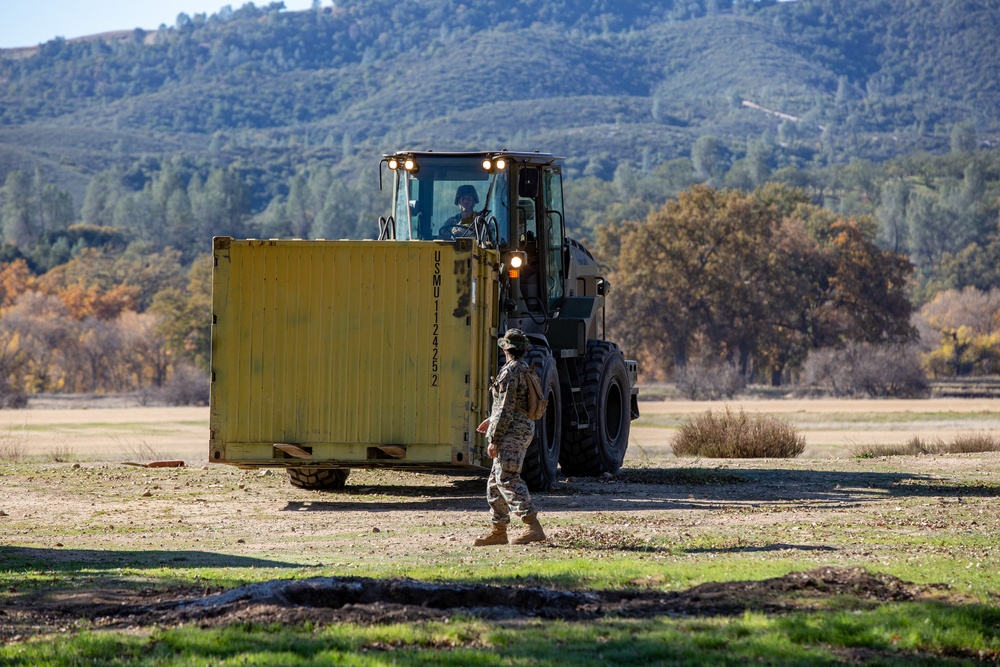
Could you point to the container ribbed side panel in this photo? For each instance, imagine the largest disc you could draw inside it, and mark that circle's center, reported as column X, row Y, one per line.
column 347, row 344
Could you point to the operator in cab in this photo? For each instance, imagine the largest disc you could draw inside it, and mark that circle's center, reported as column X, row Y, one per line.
column 466, row 199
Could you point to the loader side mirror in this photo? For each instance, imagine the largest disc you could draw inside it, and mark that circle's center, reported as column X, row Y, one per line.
column 527, row 182
column 603, row 287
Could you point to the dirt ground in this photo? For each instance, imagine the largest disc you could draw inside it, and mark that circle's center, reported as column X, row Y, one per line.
column 88, row 515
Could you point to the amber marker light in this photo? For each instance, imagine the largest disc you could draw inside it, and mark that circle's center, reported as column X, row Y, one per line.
column 515, row 261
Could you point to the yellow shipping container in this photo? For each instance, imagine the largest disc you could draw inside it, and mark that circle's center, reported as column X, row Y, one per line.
column 351, row 353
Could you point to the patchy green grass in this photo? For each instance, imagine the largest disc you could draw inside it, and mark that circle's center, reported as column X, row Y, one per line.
column 111, row 427
column 894, row 634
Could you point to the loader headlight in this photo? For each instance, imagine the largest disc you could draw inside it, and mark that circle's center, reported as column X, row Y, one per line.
column 409, row 164
column 498, row 164
column 515, row 262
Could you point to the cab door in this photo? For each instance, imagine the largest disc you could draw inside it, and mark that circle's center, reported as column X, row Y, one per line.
column 555, row 235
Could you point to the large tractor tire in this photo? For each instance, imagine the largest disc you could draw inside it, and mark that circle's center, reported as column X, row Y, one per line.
column 318, row 479
column 541, row 463
column 605, row 392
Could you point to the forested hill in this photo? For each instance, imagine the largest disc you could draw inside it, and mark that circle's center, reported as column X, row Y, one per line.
column 868, row 78
column 259, row 97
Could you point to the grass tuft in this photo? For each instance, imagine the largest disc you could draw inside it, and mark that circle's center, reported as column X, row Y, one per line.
column 137, row 449
column 966, row 443
column 737, row 435
column 62, row 453
column 12, row 445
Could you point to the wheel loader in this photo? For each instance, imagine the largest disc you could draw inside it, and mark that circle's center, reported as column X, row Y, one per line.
column 329, row 355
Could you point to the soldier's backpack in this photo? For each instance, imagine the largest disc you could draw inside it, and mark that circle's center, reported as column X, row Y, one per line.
column 536, row 400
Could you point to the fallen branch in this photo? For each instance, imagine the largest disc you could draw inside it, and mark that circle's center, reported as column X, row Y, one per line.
column 155, row 464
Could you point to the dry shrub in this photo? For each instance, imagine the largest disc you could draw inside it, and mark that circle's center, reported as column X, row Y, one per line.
column 863, row 369
column 968, row 443
column 730, row 435
column 12, row 445
column 971, row 443
column 709, row 380
column 12, row 400
column 186, row 386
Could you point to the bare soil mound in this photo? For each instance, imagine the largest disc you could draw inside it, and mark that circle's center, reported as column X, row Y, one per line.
column 325, row 600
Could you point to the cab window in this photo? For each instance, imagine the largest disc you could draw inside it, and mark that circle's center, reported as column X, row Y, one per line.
column 427, row 201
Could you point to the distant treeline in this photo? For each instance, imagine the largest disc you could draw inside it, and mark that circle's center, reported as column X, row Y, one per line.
column 943, row 212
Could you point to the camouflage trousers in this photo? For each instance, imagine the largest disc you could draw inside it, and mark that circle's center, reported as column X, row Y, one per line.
column 506, row 492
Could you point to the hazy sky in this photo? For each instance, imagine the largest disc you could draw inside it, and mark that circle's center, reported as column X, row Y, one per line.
column 30, row 22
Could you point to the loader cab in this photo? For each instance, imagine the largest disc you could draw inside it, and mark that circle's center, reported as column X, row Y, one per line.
column 427, row 191
column 517, row 208
column 540, row 232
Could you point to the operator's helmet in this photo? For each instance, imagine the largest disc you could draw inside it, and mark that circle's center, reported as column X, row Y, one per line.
column 514, row 339
column 466, row 190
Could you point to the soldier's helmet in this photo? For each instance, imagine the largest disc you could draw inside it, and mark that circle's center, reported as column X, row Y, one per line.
column 466, row 190
column 514, row 339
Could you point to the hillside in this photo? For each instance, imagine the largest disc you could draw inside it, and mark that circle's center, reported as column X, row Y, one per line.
column 881, row 77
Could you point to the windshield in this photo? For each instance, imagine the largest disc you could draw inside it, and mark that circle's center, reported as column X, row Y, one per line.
column 444, row 197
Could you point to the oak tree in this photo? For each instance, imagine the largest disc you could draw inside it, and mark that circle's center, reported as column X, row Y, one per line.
column 755, row 279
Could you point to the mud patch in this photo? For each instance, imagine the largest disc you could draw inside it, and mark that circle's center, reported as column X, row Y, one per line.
column 375, row 601
column 821, row 588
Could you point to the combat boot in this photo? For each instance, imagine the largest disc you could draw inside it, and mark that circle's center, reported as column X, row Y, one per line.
column 498, row 536
column 534, row 532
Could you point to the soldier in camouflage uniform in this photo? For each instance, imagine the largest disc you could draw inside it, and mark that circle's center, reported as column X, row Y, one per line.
column 509, row 431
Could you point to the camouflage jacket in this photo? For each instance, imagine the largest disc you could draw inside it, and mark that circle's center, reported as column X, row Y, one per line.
column 510, row 400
